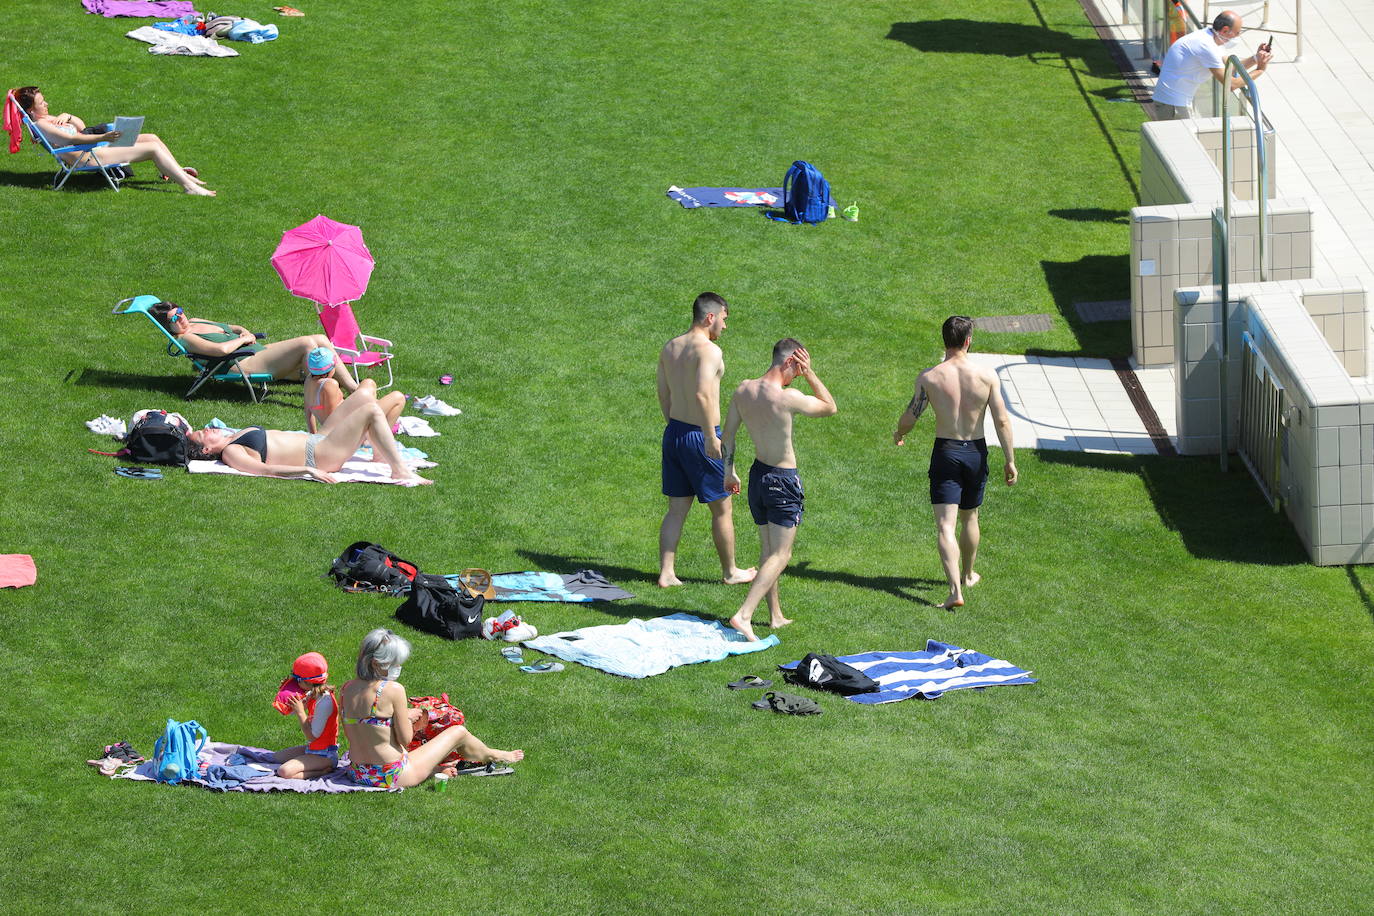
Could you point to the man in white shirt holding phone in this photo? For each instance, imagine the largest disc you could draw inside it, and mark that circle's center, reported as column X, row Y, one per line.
column 1197, row 55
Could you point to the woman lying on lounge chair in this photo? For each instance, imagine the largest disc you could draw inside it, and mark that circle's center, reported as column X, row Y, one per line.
column 67, row 130
column 284, row 359
column 376, row 719
column 274, row 453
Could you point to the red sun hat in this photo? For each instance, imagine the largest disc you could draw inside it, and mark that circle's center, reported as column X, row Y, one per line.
column 311, row 667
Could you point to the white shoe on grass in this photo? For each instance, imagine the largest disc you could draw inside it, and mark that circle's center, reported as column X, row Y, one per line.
column 432, row 406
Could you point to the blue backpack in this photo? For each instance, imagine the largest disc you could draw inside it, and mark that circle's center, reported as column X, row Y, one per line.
column 174, row 754
column 805, row 194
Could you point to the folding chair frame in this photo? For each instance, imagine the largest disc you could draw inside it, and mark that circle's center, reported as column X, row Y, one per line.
column 211, row 368
column 350, row 355
column 66, row 169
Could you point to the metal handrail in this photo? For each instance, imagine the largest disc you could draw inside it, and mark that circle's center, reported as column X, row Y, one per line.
column 1234, row 63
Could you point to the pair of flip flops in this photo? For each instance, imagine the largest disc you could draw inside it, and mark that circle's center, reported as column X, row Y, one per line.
column 139, row 473
column 468, row 768
column 788, row 704
column 748, row 682
column 513, row 655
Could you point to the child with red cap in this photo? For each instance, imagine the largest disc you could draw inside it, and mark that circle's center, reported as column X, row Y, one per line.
column 308, row 694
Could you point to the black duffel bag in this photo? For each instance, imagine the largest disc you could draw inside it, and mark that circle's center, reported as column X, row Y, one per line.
column 435, row 606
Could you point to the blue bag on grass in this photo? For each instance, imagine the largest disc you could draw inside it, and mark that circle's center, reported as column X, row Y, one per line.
column 805, row 194
column 174, row 754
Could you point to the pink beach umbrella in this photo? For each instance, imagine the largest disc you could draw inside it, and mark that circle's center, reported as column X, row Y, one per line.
column 324, row 261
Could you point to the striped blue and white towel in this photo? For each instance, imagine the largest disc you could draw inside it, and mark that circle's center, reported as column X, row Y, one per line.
column 941, row 668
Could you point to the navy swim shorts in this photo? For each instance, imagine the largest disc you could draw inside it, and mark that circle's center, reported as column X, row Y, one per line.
column 775, row 495
column 686, row 469
column 958, row 472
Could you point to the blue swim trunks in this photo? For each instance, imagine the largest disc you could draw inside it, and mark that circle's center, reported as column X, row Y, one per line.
column 686, row 469
column 775, row 495
column 958, row 472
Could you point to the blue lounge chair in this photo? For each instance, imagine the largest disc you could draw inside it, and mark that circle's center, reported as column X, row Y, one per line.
column 208, row 368
column 114, row 173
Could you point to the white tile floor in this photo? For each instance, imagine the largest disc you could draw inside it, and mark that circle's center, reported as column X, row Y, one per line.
column 1077, row 404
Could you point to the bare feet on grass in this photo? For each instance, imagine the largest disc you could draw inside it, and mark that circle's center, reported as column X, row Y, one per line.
column 507, row 756
column 741, row 625
column 668, row 580
column 740, row 576
column 779, row 622
column 972, row 579
column 955, row 599
column 200, row 191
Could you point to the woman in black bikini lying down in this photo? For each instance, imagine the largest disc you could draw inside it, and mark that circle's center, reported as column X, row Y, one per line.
column 274, row 453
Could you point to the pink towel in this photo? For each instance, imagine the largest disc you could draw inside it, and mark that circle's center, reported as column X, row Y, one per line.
column 17, row 570
column 14, row 124
column 141, row 9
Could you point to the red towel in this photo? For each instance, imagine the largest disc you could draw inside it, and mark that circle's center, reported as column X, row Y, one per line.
column 17, row 570
column 14, row 124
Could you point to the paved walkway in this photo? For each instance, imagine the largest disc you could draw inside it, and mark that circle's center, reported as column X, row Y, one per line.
column 1077, row 404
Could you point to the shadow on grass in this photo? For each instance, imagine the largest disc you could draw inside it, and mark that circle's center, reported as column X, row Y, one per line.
column 1218, row 516
column 904, row 587
column 1360, row 591
column 1092, row 278
column 1093, row 215
column 79, row 184
column 169, row 385
column 1005, row 39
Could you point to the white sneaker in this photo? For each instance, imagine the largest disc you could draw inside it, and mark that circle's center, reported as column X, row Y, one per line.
column 521, row 633
column 432, row 406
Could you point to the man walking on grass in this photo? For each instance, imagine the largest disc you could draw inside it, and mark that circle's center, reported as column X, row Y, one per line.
column 690, row 368
column 766, row 405
column 960, row 393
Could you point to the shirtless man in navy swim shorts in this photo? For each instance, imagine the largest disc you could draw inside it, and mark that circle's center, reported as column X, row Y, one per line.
column 960, row 393
column 690, row 367
column 766, row 406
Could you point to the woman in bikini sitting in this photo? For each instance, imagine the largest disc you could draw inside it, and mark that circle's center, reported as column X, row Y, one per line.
column 274, row 453
column 68, row 130
column 376, row 720
column 323, row 394
column 282, row 359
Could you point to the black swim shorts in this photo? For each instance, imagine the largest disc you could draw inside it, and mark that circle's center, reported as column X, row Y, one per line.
column 775, row 495
column 958, row 472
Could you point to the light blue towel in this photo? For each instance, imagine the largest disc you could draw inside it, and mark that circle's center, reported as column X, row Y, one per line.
column 643, row 648
column 252, row 31
column 942, row 667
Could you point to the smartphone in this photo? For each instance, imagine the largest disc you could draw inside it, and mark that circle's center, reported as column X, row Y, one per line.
column 1269, row 45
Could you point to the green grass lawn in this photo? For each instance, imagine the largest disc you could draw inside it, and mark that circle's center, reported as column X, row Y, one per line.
column 1199, row 739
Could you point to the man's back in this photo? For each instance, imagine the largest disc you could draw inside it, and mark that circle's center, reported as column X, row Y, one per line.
column 959, row 393
column 690, row 367
column 767, row 411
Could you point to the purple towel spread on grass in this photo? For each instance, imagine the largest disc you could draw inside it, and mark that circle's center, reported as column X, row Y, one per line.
column 139, row 9
column 691, row 198
column 227, row 764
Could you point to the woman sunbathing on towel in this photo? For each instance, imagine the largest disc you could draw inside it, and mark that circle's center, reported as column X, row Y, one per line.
column 274, row 453
column 67, row 130
column 282, row 359
column 377, row 721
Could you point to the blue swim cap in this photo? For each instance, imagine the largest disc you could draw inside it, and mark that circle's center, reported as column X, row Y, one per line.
column 320, row 361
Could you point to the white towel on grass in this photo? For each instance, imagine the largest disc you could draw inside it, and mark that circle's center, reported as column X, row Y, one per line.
column 172, row 43
column 358, row 469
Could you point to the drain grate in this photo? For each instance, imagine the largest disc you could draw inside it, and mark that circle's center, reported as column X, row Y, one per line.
column 1115, row 310
column 1010, row 323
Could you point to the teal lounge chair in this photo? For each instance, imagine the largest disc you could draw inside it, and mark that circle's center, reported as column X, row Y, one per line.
column 208, row 368
column 114, row 173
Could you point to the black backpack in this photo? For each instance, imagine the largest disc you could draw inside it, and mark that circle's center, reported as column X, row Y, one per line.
column 155, row 440
column 368, row 567
column 435, row 606
column 826, row 672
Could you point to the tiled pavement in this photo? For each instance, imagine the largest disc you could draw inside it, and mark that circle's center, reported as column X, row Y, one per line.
column 1078, row 404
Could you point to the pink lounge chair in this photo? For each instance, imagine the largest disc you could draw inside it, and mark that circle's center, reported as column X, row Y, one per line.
column 356, row 349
